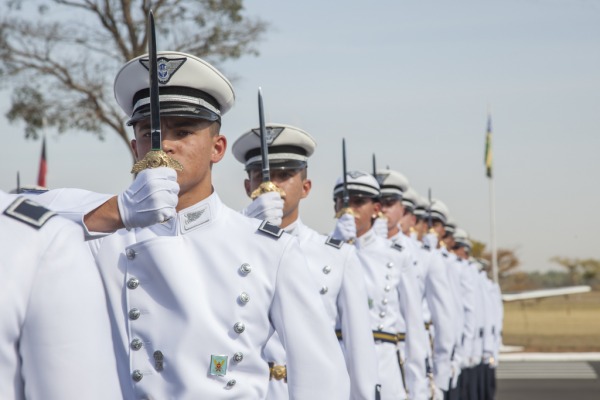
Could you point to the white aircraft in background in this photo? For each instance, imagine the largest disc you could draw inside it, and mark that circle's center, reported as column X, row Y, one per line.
column 542, row 293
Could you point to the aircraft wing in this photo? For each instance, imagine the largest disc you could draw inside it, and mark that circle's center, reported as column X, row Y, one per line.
column 538, row 294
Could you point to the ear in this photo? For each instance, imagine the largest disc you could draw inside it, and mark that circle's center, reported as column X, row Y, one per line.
column 376, row 208
column 247, row 186
column 306, row 186
column 219, row 146
column 133, row 145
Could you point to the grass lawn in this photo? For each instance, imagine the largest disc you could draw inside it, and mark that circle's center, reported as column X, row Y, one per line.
column 554, row 324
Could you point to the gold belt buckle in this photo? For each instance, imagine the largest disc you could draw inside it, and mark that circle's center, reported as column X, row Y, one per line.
column 279, row 372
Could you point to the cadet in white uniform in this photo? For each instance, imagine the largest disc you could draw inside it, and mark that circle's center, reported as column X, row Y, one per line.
column 334, row 265
column 430, row 271
column 455, row 239
column 392, row 286
column 438, row 217
column 196, row 296
column 56, row 340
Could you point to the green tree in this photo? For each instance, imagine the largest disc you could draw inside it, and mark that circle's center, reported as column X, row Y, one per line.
column 507, row 258
column 586, row 271
column 59, row 56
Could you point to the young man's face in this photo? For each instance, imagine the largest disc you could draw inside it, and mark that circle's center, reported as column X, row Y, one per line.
column 450, row 242
column 364, row 209
column 438, row 227
column 293, row 182
column 195, row 143
column 393, row 209
column 462, row 252
column 408, row 220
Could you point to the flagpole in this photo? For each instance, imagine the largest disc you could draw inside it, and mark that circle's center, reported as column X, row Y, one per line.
column 493, row 231
column 489, row 161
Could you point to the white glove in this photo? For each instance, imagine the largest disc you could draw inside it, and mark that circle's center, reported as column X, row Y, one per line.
column 151, row 198
column 268, row 206
column 431, row 239
column 345, row 228
column 438, row 394
column 380, row 227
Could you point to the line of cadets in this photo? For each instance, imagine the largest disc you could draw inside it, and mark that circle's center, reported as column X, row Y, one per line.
column 434, row 315
column 388, row 306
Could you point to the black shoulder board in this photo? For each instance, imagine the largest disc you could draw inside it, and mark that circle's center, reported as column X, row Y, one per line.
column 445, row 255
column 270, row 229
column 397, row 246
column 29, row 212
column 426, row 247
column 334, row 242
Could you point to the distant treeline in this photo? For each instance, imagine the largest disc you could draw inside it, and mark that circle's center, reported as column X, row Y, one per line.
column 519, row 280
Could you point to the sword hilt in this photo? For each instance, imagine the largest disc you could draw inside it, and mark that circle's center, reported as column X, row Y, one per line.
column 267, row 187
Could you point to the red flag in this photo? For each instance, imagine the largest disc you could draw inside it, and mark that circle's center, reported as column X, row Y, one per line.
column 43, row 167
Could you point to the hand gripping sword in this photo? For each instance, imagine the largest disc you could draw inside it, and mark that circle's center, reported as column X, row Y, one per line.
column 156, row 157
column 266, row 185
column 380, row 214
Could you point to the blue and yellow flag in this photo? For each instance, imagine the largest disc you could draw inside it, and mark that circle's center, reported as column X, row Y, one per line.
column 488, row 149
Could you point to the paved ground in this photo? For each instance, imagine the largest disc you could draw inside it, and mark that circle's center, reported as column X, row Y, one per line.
column 549, row 380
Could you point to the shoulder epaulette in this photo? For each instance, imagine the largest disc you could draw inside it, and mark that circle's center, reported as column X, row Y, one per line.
column 426, row 247
column 334, row 242
column 445, row 255
column 29, row 212
column 397, row 246
column 270, row 229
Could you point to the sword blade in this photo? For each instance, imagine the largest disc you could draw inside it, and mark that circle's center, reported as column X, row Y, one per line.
column 345, row 193
column 155, row 135
column 264, row 148
column 429, row 207
column 374, row 167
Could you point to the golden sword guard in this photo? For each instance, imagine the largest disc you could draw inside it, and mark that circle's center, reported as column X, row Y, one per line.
column 155, row 159
column 267, row 187
column 346, row 210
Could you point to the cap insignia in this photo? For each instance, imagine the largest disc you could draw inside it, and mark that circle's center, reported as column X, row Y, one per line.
column 272, row 133
column 166, row 67
column 382, row 177
column 356, row 174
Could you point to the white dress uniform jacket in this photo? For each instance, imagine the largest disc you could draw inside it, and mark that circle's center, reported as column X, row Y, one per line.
column 55, row 337
column 196, row 299
column 479, row 314
column 499, row 314
column 437, row 297
column 489, row 317
column 467, row 285
column 395, row 305
column 339, row 281
column 454, row 273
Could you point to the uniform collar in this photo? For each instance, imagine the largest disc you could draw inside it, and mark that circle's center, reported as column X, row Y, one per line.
column 200, row 214
column 366, row 239
column 294, row 228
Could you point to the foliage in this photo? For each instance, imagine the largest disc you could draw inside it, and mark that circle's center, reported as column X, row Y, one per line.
column 581, row 271
column 507, row 260
column 59, row 57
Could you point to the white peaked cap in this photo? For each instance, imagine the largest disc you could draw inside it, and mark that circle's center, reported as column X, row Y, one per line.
column 289, row 147
column 359, row 184
column 392, row 183
column 439, row 211
column 188, row 87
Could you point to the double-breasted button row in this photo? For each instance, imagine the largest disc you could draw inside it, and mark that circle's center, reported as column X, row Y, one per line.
column 134, row 314
column 133, row 283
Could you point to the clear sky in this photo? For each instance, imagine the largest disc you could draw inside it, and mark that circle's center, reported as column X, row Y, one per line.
column 410, row 82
